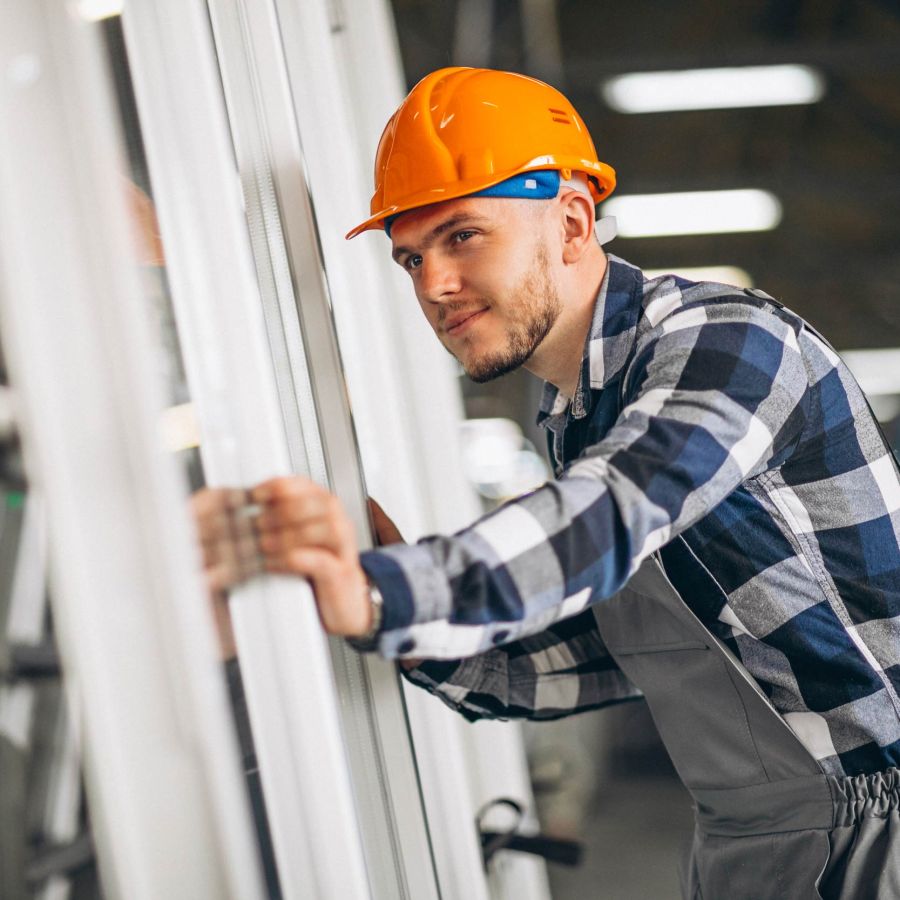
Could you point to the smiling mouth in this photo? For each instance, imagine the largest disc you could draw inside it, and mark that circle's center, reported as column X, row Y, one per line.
column 463, row 324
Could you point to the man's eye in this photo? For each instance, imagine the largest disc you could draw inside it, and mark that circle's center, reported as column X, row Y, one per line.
column 412, row 262
column 461, row 236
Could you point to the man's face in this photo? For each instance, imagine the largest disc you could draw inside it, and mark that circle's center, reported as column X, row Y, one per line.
column 481, row 272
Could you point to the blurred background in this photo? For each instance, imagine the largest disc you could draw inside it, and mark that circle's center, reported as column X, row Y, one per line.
column 777, row 125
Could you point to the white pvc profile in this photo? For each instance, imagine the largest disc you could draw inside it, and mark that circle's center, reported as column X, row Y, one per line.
column 168, row 808
column 285, row 665
column 410, row 446
column 268, row 89
column 416, row 435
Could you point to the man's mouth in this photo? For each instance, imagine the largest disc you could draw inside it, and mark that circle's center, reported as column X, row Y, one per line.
column 461, row 321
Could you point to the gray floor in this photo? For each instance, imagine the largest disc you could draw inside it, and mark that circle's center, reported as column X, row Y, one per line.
column 634, row 837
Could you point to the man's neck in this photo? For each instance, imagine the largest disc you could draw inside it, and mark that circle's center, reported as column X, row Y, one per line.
column 558, row 358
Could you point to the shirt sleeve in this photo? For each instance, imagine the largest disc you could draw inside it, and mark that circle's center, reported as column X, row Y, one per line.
column 563, row 670
column 715, row 394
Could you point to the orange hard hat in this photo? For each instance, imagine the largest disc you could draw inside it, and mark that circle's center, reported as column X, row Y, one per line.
column 462, row 130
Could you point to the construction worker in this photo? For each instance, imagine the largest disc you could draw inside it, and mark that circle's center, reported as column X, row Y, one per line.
column 722, row 536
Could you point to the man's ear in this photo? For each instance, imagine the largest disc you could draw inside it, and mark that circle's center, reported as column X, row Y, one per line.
column 578, row 224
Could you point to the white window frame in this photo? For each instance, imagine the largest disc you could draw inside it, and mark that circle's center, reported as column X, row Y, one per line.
column 347, row 79
column 364, row 834
column 168, row 805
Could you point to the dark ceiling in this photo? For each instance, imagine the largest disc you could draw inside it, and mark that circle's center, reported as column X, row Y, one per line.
column 833, row 164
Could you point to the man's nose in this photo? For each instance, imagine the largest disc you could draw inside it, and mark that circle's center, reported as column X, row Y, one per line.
column 439, row 280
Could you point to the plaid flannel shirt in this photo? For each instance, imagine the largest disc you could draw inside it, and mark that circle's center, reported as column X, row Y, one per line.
column 715, row 426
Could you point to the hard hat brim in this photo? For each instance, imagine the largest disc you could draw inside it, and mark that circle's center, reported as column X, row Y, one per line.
column 604, row 175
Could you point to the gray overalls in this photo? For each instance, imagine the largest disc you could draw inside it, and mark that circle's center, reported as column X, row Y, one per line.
column 769, row 822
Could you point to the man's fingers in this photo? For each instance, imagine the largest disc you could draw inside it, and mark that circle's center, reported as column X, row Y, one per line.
column 304, row 515
column 286, row 525
column 213, row 525
column 234, row 545
column 217, row 514
column 290, row 487
column 228, row 544
column 212, row 501
column 220, row 577
column 322, row 567
column 385, row 530
column 320, row 533
column 224, row 575
column 224, row 630
column 295, row 512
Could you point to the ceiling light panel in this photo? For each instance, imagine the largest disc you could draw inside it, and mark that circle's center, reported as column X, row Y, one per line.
column 694, row 212
column 877, row 371
column 726, row 88
column 720, row 274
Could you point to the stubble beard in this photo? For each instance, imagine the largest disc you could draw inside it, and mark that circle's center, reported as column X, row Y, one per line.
column 537, row 305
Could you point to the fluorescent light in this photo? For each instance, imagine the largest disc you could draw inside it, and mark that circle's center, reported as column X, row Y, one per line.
column 741, row 86
column 877, row 371
column 94, row 10
column 721, row 274
column 694, row 212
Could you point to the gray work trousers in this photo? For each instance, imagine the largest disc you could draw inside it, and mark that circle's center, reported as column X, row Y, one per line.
column 770, row 824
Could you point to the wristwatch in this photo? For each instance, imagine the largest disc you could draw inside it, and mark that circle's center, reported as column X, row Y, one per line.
column 369, row 641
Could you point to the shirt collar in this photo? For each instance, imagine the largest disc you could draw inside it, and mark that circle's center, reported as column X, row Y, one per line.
column 608, row 344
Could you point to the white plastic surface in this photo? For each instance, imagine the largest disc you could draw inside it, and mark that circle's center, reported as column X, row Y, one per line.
column 168, row 808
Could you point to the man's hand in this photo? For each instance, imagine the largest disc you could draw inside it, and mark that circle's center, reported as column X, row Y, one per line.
column 228, row 548
column 287, row 525
column 304, row 530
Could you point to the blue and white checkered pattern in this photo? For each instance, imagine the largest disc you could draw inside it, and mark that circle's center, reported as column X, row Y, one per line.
column 710, row 413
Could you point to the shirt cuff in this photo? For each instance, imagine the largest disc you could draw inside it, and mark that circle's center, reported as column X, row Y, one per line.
column 398, row 609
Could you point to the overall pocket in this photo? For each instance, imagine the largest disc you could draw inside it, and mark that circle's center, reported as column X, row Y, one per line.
column 692, row 698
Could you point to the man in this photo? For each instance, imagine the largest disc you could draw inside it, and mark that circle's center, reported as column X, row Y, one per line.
column 723, row 534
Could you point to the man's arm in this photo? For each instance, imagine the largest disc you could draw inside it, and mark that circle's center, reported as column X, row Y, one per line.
column 563, row 670
column 566, row 669
column 715, row 394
